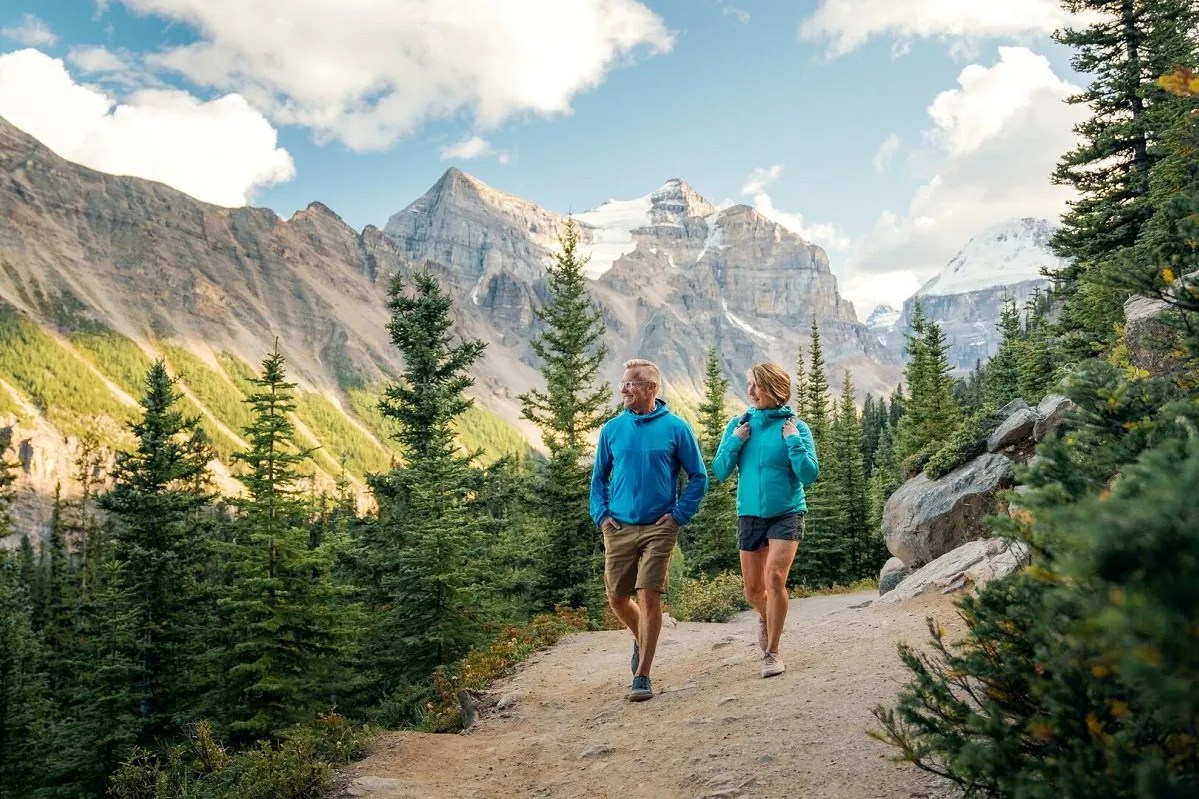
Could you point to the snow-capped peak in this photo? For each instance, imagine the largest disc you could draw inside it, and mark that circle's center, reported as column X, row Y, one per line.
column 883, row 317
column 1012, row 252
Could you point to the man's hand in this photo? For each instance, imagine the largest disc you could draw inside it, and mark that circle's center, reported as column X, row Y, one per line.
column 609, row 525
column 665, row 517
column 789, row 428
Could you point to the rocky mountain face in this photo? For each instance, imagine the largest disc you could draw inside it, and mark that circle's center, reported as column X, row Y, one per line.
column 672, row 276
column 1001, row 264
column 87, row 256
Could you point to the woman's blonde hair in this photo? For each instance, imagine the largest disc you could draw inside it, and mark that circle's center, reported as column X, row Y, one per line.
column 773, row 381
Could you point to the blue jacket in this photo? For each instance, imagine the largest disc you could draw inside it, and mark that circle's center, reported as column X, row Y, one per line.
column 636, row 473
column 774, row 470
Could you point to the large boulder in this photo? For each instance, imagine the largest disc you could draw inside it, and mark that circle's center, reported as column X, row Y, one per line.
column 891, row 575
column 924, row 519
column 1051, row 411
column 1153, row 340
column 1015, row 427
column 975, row 563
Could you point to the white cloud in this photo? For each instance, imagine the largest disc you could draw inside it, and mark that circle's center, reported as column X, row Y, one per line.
column 218, row 151
column 367, row 72
column 761, row 178
column 847, row 24
column 95, row 60
column 885, row 152
column 473, row 147
column 739, row 14
column 827, row 235
column 31, row 32
column 997, row 139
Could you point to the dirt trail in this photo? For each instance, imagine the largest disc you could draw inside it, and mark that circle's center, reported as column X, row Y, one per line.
column 713, row 729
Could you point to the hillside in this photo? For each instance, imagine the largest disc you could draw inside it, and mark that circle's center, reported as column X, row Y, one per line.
column 713, row 729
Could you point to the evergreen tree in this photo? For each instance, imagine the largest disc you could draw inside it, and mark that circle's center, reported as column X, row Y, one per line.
column 24, row 704
column 285, row 622
column 820, row 560
column 713, row 546
column 930, row 413
column 1125, row 50
column 1001, row 383
column 25, row 710
column 575, row 403
column 885, row 477
column 424, row 552
column 852, row 496
column 158, row 496
column 1037, row 369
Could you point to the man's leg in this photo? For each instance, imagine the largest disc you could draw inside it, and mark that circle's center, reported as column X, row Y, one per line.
column 650, row 626
column 627, row 611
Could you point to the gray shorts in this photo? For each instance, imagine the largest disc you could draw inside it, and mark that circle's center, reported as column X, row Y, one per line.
column 753, row 532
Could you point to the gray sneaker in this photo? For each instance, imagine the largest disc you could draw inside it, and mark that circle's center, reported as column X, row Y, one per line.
column 641, row 690
column 763, row 635
column 772, row 665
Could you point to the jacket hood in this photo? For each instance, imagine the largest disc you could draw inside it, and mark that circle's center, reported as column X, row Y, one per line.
column 769, row 414
column 660, row 409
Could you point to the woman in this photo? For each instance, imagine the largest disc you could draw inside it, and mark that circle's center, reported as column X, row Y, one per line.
column 776, row 457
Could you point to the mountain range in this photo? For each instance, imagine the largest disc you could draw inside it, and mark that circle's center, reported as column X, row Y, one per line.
column 99, row 274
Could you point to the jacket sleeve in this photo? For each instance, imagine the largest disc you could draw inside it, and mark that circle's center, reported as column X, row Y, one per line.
column 728, row 453
column 601, row 470
column 692, row 462
column 801, row 451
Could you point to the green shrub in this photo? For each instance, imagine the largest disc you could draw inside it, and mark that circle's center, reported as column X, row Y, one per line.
column 300, row 766
column 968, row 441
column 710, row 599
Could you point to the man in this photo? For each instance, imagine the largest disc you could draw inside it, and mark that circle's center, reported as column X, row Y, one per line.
column 636, row 503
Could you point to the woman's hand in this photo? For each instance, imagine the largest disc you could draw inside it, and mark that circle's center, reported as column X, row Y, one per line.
column 789, row 428
column 741, row 431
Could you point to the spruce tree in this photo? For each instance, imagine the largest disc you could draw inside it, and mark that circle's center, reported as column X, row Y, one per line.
column 158, row 498
column 930, row 413
column 857, row 538
column 1123, row 51
column 287, row 629
column 424, row 552
column 713, row 546
column 575, row 403
column 820, row 561
column 25, row 709
column 1001, row 382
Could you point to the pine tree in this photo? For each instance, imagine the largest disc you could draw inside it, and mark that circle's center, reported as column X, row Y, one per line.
column 25, row 710
column 61, row 599
column 820, row 560
column 1001, row 382
column 1124, row 51
column 713, row 546
column 287, row 628
column 575, row 403
column 158, row 497
column 853, row 496
column 424, row 551
column 1038, row 371
column 930, row 413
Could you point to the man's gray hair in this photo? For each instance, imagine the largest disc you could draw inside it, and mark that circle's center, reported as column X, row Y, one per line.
column 648, row 369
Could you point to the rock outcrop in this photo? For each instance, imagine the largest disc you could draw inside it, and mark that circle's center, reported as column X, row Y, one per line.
column 972, row 565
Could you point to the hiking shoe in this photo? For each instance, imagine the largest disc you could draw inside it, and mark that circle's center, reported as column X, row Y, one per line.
column 635, row 661
column 772, row 665
column 641, row 689
column 763, row 635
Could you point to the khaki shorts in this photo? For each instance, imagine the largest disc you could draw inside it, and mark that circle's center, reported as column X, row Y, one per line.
column 636, row 557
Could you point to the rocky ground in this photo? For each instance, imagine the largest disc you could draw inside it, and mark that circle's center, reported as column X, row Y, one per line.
column 563, row 728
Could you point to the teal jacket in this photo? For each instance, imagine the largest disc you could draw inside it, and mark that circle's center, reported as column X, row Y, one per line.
column 773, row 470
column 635, row 478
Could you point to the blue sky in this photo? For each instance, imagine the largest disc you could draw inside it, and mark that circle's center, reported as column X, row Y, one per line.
column 887, row 131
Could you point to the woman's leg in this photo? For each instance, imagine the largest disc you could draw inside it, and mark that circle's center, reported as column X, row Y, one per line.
column 776, row 566
column 753, row 578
